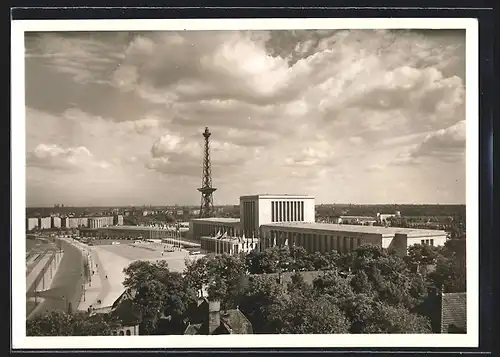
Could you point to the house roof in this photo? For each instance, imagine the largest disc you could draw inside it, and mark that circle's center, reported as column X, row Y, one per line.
column 231, row 321
column 453, row 312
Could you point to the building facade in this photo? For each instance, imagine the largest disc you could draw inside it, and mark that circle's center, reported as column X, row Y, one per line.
column 118, row 220
column 56, row 222
column 32, row 223
column 258, row 210
column 100, row 222
column 129, row 233
column 45, row 222
column 75, row 222
column 344, row 238
column 201, row 227
column 230, row 245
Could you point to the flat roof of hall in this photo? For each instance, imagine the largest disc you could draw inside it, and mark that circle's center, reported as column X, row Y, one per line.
column 270, row 195
column 217, row 219
column 357, row 228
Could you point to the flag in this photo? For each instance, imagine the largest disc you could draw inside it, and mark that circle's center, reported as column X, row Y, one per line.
column 286, row 241
column 224, row 235
column 274, row 242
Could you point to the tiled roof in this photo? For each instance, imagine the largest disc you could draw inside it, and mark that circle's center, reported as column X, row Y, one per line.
column 232, row 322
column 454, row 312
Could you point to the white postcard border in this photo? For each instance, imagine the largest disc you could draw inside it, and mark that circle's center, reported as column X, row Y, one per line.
column 18, row 189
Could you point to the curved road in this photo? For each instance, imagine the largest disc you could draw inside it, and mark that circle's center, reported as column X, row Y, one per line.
column 67, row 283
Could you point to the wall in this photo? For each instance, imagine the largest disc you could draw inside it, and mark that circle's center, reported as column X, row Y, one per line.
column 127, row 331
column 438, row 240
column 49, row 271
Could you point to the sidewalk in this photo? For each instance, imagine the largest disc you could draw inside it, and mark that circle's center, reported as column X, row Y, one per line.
column 98, row 287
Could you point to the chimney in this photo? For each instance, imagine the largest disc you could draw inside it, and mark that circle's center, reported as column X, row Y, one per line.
column 213, row 316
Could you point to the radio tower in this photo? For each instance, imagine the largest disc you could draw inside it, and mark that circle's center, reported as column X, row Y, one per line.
column 207, row 201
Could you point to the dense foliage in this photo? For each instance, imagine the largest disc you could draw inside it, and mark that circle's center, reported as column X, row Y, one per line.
column 59, row 323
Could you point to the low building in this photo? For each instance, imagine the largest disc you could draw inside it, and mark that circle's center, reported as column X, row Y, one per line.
column 344, row 238
column 203, row 227
column 56, row 222
column 208, row 319
column 228, row 245
column 131, row 233
column 32, row 223
column 45, row 222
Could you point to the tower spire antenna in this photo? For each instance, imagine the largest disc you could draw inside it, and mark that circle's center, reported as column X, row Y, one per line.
column 206, row 189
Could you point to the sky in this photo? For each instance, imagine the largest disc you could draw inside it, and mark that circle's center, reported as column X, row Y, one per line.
column 365, row 116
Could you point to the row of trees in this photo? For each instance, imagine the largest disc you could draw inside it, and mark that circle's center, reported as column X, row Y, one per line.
column 369, row 290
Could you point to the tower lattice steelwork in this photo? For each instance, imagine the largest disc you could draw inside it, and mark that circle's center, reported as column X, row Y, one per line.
column 207, row 200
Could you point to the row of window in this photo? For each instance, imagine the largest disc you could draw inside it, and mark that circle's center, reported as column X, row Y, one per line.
column 427, row 241
column 287, row 211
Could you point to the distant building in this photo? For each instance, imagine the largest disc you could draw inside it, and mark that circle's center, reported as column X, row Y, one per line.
column 208, row 319
column 75, row 222
column 257, row 210
column 228, row 245
column 99, row 222
column 364, row 220
column 45, row 222
column 32, row 223
column 56, row 222
column 203, row 227
column 344, row 238
column 290, row 219
column 118, row 220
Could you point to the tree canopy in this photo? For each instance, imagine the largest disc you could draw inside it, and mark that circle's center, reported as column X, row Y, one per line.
column 60, row 323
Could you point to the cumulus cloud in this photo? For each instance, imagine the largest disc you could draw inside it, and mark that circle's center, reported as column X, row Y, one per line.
column 288, row 103
column 53, row 157
column 445, row 144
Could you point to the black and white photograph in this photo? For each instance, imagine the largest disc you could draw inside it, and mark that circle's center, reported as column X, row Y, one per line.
column 245, row 179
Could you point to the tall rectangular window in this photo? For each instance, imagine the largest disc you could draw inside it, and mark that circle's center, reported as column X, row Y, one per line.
column 280, row 211
column 295, row 211
column 287, row 211
column 302, row 210
column 432, row 241
column 272, row 211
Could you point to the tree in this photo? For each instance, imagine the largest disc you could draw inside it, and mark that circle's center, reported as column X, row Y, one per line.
column 222, row 274
column 367, row 315
column 59, row 323
column 448, row 277
column 387, row 275
column 301, row 315
column 394, row 319
column 261, row 302
column 157, row 292
column 300, row 259
column 420, row 256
